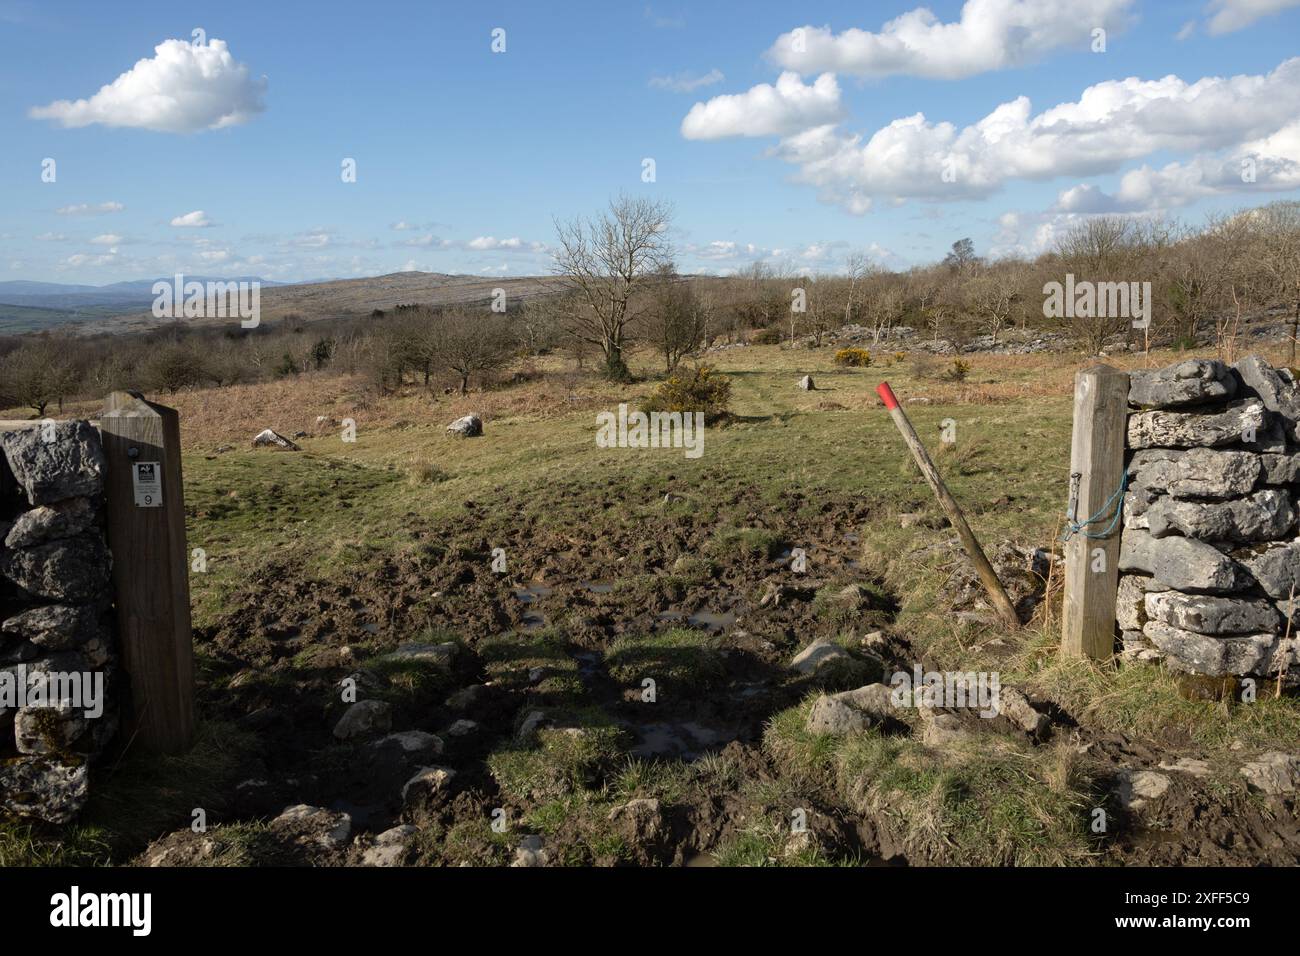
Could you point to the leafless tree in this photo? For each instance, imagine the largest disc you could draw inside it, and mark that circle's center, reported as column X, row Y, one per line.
column 1278, row 228
column 470, row 342
column 606, row 260
column 676, row 321
column 37, row 373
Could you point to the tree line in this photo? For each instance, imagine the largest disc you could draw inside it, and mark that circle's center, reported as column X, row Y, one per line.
column 622, row 291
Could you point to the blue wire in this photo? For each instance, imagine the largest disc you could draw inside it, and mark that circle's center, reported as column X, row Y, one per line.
column 1115, row 501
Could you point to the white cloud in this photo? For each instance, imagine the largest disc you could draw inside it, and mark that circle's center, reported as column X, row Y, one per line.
column 197, row 219
column 107, row 239
column 182, row 89
column 990, row 35
column 51, row 237
column 87, row 209
column 489, row 242
column 766, row 110
column 1228, row 16
column 1112, row 123
column 686, row 82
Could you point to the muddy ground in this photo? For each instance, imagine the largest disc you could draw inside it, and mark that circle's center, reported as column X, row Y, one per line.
column 542, row 715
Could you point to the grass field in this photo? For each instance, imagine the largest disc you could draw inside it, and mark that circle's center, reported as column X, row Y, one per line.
column 325, row 559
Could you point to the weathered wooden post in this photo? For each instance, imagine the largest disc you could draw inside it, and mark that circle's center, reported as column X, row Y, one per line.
column 1095, row 512
column 146, row 533
column 988, row 577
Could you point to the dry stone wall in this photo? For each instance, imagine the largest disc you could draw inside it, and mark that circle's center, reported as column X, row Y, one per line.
column 58, row 660
column 1210, row 555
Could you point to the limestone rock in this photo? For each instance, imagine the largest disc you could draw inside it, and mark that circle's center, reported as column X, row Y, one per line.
column 363, row 718
column 390, row 847
column 1015, row 706
column 1264, row 516
column 63, row 519
column 1207, row 614
column 1164, row 429
column 269, row 438
column 74, row 570
column 819, row 652
column 1276, row 567
column 310, row 826
column 468, row 426
column 413, row 743
column 940, row 729
column 530, row 852
column 1130, row 600
column 56, row 461
column 1137, row 788
column 1281, row 469
column 1184, row 564
column 851, row 711
column 1187, row 383
column 435, row 781
column 1212, row 656
column 1276, row 388
column 48, row 730
column 806, row 383
column 439, row 654
column 56, row 626
column 1273, row 773
column 1207, row 473
column 43, row 788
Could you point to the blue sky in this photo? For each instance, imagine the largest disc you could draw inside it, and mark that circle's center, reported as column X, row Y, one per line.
column 475, row 152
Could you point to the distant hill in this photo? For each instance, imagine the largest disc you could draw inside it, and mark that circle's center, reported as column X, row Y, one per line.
column 122, row 308
column 33, row 306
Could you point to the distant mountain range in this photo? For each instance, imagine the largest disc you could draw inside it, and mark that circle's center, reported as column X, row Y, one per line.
column 127, row 306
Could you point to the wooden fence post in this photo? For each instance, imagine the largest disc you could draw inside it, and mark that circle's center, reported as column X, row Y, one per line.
column 1096, row 469
column 146, row 533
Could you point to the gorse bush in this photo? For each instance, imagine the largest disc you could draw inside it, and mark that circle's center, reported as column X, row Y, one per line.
column 853, row 357
column 703, row 389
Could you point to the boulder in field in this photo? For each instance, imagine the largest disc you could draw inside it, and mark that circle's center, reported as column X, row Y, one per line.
column 268, row 438
column 467, row 426
column 56, row 460
column 364, row 717
column 806, row 383
column 851, row 711
column 1188, row 383
column 1274, row 773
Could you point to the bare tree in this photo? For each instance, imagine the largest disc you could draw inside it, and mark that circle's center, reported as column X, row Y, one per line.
column 471, row 342
column 1278, row 226
column 675, row 324
column 37, row 373
column 607, row 260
